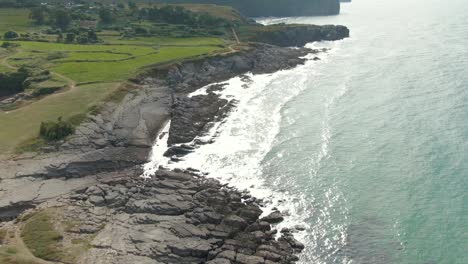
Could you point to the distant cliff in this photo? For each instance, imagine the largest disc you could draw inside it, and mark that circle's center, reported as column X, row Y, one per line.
column 294, row 35
column 277, row 8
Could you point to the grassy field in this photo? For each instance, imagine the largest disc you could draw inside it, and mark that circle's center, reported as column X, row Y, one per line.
column 104, row 63
column 23, row 124
column 14, row 19
column 194, row 41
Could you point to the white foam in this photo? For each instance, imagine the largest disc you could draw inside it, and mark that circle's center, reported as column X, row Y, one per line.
column 244, row 139
column 157, row 154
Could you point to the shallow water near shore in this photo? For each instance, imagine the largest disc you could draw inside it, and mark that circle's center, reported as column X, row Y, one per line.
column 365, row 148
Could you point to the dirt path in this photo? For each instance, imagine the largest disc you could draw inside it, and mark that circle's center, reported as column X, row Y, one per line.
column 235, row 35
column 71, row 83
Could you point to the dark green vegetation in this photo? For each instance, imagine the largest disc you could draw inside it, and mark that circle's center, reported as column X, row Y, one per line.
column 10, row 35
column 78, row 22
column 13, row 82
column 56, row 130
column 279, row 8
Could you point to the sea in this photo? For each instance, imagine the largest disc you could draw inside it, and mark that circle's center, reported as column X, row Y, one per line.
column 367, row 148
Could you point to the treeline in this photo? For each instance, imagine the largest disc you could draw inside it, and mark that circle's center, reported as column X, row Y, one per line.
column 55, row 17
column 18, row 3
column 63, row 18
column 180, row 15
column 258, row 8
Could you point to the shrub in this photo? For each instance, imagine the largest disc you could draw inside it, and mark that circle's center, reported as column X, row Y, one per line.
column 56, row 130
column 106, row 16
column 11, row 83
column 7, row 44
column 10, row 35
column 45, row 91
column 141, row 31
column 82, row 39
column 55, row 55
column 70, row 38
column 92, row 36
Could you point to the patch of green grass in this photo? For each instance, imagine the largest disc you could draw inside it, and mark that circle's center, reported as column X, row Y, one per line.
column 16, row 19
column 52, row 83
column 195, row 41
column 10, row 255
column 118, row 71
column 3, row 234
column 31, row 145
column 23, row 124
column 41, row 238
column 4, row 68
column 92, row 56
column 87, row 67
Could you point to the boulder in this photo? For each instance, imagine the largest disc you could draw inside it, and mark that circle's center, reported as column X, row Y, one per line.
column 273, row 218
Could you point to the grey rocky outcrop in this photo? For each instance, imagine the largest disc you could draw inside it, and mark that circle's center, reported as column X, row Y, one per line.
column 192, row 116
column 298, row 36
column 176, row 217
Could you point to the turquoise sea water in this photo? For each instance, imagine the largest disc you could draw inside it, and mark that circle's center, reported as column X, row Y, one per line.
column 378, row 143
column 367, row 148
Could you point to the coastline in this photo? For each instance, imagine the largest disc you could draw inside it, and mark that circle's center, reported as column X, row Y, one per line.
column 97, row 168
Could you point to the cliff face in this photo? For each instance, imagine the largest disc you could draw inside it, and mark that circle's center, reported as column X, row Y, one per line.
column 276, row 8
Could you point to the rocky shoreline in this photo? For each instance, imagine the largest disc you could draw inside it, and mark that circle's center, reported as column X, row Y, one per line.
column 175, row 217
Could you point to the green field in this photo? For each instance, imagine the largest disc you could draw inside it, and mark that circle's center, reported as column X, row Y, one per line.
column 14, row 19
column 193, row 41
column 23, row 124
column 102, row 63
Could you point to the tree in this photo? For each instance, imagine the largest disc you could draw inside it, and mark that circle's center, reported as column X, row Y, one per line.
column 60, row 38
column 61, row 18
column 106, row 16
column 38, row 15
column 92, row 36
column 82, row 39
column 70, row 38
column 10, row 35
column 132, row 5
